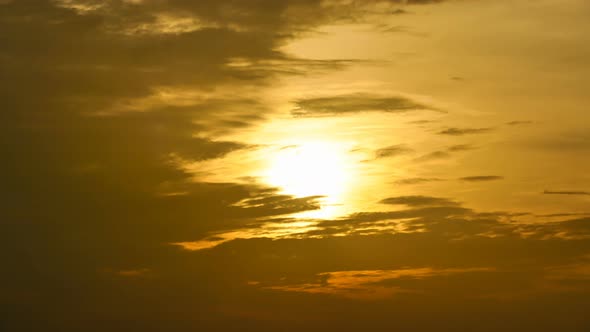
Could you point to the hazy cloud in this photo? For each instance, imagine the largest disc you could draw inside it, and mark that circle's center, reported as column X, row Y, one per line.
column 417, row 180
column 392, row 151
column 461, row 147
column 419, row 201
column 481, row 178
column 354, row 103
column 367, row 284
column 434, row 156
column 463, row 131
column 566, row 192
column 517, row 123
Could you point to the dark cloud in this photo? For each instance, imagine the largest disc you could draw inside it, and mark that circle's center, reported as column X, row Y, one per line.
column 419, row 201
column 386, row 28
column 461, row 147
column 421, row 122
column 575, row 140
column 421, row 2
column 566, row 192
column 518, row 123
column 552, row 215
column 354, row 103
column 463, row 131
column 417, row 180
column 444, row 154
column 392, row 151
column 481, row 178
column 434, row 156
column 399, row 11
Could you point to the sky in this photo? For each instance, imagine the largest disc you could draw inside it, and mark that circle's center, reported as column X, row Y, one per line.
column 295, row 165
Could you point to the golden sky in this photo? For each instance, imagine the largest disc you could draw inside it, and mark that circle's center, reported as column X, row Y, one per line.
column 295, row 165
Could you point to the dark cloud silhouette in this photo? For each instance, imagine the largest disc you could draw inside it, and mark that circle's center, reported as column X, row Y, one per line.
column 419, row 201
column 566, row 192
column 575, row 140
column 392, row 151
column 417, row 180
column 481, row 178
column 354, row 103
column 461, row 147
column 434, row 156
column 399, row 11
column 444, row 154
column 421, row 122
column 517, row 123
column 463, row 131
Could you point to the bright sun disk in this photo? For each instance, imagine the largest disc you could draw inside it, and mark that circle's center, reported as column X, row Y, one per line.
column 310, row 169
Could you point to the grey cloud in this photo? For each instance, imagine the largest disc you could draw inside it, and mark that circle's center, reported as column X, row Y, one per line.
column 422, row 122
column 578, row 140
column 399, row 11
column 517, row 123
column 434, row 156
column 417, row 180
column 461, row 147
column 481, row 178
column 392, row 151
column 444, row 154
column 464, row 131
column 566, row 192
column 354, row 103
column 419, row 201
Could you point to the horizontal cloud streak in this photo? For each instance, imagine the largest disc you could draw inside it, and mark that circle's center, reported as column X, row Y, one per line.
column 464, row 131
column 481, row 178
column 355, row 103
column 566, row 192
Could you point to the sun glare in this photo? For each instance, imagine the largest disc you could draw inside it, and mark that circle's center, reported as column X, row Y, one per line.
column 311, row 169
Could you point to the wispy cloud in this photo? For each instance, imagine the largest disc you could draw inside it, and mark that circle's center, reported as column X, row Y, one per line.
column 419, row 201
column 464, row 131
column 368, row 284
column 566, row 192
column 481, row 178
column 392, row 151
column 355, row 103
column 417, row 180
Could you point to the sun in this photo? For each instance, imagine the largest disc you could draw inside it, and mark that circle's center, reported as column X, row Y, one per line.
column 310, row 169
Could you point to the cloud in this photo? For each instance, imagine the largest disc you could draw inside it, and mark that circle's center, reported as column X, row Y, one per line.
column 518, row 123
column 463, row 131
column 417, row 180
column 574, row 140
column 355, row 103
column 481, row 178
column 422, row 122
column 563, row 275
column 566, row 192
column 392, row 151
column 419, row 201
column 367, row 284
column 444, row 154
column 434, row 156
column 461, row 147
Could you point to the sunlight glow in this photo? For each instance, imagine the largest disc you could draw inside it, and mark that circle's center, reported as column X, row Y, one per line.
column 313, row 168
column 309, row 169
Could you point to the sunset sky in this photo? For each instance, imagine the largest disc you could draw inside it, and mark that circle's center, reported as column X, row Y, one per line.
column 295, row 165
